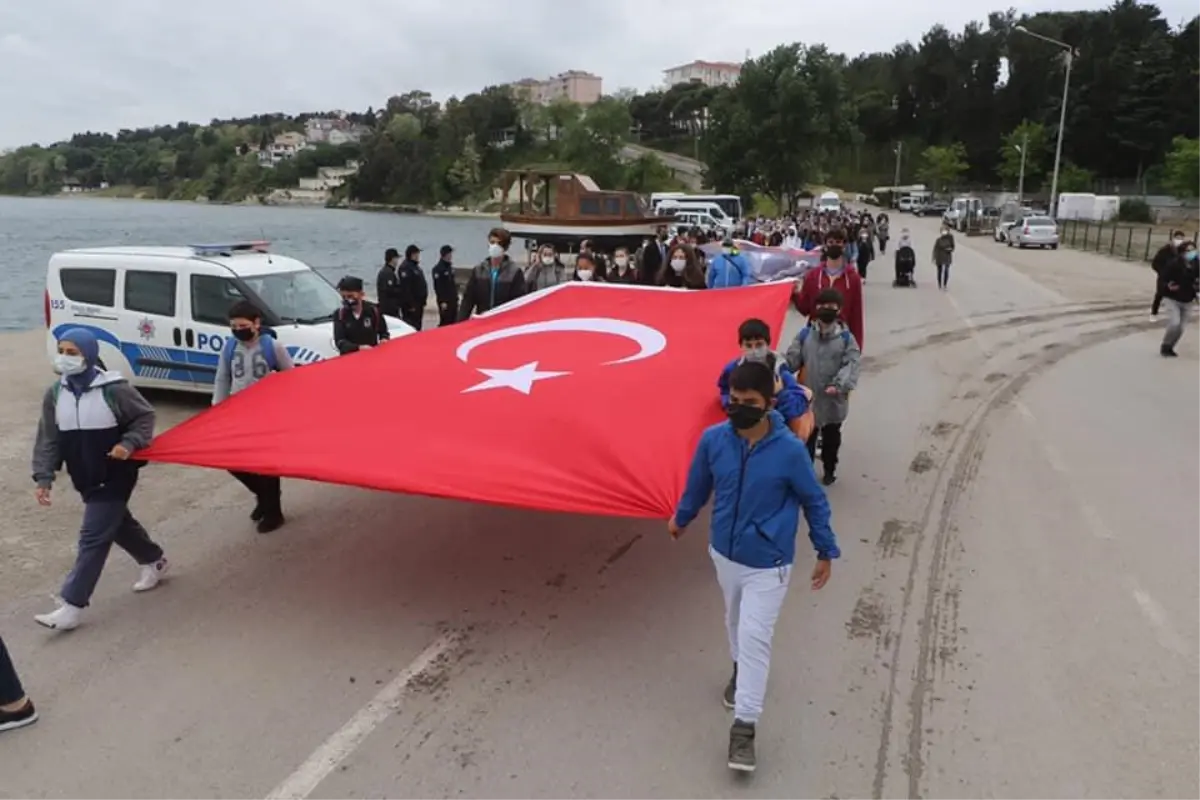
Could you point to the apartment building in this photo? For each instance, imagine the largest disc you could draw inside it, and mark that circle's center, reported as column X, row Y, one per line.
column 710, row 73
column 333, row 130
column 575, row 85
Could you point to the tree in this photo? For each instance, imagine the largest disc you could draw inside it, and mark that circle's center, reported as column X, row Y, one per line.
column 1074, row 178
column 941, row 167
column 1033, row 138
column 1182, row 168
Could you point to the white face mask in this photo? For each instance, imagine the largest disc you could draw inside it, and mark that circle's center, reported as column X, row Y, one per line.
column 69, row 365
column 548, row 260
column 944, row 231
column 621, row 261
column 495, row 251
column 585, row 274
column 1178, row 242
column 678, row 264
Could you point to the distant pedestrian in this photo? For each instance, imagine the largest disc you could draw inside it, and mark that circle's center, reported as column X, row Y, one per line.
column 16, row 709
column 251, row 355
column 546, row 270
column 93, row 422
column 586, row 268
column 623, row 269
column 494, row 281
column 1178, row 285
column 943, row 256
column 445, row 288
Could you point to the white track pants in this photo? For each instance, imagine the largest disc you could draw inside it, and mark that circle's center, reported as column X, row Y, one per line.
column 753, row 599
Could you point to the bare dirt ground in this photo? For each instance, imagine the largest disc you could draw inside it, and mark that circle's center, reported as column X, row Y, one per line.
column 1016, row 611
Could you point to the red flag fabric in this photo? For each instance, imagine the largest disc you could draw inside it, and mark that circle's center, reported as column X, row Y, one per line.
column 583, row 398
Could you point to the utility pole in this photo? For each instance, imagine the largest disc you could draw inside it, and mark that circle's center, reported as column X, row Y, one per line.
column 899, row 149
column 1069, row 55
column 1023, row 149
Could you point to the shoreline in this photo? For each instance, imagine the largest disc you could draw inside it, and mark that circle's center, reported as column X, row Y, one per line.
column 378, row 208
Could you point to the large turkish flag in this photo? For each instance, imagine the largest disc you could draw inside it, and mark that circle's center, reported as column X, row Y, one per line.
column 586, row 398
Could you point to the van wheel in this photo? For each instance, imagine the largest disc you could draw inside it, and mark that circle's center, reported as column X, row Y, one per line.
column 1053, row 247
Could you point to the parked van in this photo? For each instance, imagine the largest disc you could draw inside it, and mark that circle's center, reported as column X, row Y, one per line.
column 829, row 201
column 696, row 219
column 676, row 206
column 161, row 314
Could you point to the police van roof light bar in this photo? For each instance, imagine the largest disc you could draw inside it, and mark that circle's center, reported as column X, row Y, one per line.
column 231, row 248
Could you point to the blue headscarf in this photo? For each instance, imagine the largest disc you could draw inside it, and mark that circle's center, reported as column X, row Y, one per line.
column 85, row 340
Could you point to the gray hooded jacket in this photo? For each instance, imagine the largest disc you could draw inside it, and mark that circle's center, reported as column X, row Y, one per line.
column 830, row 357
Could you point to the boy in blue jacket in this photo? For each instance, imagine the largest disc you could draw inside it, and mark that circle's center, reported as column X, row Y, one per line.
column 791, row 397
column 762, row 478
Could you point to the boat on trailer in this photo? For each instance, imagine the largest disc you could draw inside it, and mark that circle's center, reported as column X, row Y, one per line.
column 565, row 208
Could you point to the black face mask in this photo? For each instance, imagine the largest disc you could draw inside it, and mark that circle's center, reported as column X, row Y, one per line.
column 827, row 315
column 833, row 251
column 744, row 417
column 349, row 302
column 243, row 334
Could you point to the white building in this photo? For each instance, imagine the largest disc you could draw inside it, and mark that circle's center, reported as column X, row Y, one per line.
column 285, row 146
column 710, row 73
column 575, row 85
column 333, row 130
column 329, row 178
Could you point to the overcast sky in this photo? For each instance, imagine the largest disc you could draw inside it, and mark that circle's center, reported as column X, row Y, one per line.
column 75, row 65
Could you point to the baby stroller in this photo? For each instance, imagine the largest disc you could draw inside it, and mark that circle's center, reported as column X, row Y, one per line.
column 906, row 263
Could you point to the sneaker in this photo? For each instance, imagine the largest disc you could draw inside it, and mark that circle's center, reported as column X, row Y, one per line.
column 829, row 478
column 271, row 523
column 730, row 690
column 257, row 514
column 25, row 715
column 741, row 747
column 1168, row 352
column 151, row 575
column 63, row 618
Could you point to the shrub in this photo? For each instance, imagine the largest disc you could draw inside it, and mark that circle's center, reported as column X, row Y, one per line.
column 1135, row 209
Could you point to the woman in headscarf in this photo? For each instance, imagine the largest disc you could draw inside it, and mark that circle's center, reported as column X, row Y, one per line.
column 92, row 422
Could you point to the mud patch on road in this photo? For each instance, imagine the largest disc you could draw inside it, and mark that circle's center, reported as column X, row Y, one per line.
column 922, row 463
column 943, row 429
column 970, row 394
column 868, row 618
column 893, row 535
column 995, row 377
column 618, row 554
column 1052, row 346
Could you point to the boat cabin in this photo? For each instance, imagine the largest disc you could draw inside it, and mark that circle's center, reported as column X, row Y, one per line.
column 565, row 208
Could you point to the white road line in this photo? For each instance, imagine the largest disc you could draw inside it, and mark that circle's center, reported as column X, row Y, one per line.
column 1166, row 634
column 325, row 759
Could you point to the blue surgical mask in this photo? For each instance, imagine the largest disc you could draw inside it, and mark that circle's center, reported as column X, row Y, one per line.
column 1192, row 255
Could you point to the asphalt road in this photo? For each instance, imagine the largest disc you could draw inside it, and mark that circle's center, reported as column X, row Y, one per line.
column 1015, row 613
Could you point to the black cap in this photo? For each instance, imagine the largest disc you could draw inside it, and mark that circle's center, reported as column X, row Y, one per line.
column 411, row 250
column 390, row 253
column 446, row 250
column 350, row 284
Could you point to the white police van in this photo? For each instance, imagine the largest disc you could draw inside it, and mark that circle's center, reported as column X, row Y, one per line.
column 161, row 314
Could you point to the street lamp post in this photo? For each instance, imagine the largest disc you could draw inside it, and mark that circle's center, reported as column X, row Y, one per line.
column 899, row 149
column 1023, row 149
column 1069, row 55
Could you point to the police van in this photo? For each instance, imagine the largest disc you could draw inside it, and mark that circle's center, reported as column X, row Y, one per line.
column 161, row 314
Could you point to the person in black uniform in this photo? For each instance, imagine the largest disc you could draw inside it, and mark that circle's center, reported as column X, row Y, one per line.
column 358, row 324
column 444, row 287
column 387, row 284
column 414, row 290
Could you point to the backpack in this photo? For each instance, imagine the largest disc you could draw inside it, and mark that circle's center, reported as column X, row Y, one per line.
column 267, row 342
column 106, row 390
column 803, row 336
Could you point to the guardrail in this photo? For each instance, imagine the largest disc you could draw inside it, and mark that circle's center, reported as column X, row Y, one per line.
column 1131, row 242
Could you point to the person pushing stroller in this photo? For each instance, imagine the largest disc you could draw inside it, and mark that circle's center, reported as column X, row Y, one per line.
column 906, row 260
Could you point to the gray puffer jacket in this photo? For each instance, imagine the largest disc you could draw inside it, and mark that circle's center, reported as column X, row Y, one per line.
column 829, row 357
column 539, row 276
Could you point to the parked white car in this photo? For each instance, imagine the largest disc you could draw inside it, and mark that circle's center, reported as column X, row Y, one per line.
column 1036, row 231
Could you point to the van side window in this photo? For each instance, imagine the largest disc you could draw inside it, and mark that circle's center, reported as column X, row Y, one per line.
column 212, row 297
column 150, row 292
column 97, row 287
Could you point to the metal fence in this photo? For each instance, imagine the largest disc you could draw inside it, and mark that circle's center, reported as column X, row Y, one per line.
column 1131, row 242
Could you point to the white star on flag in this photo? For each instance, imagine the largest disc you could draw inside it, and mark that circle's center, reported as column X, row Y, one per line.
column 522, row 378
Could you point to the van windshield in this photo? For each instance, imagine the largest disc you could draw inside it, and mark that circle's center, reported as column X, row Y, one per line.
column 302, row 296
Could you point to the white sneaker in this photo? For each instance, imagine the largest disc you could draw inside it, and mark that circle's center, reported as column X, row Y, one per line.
column 151, row 575
column 63, row 618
